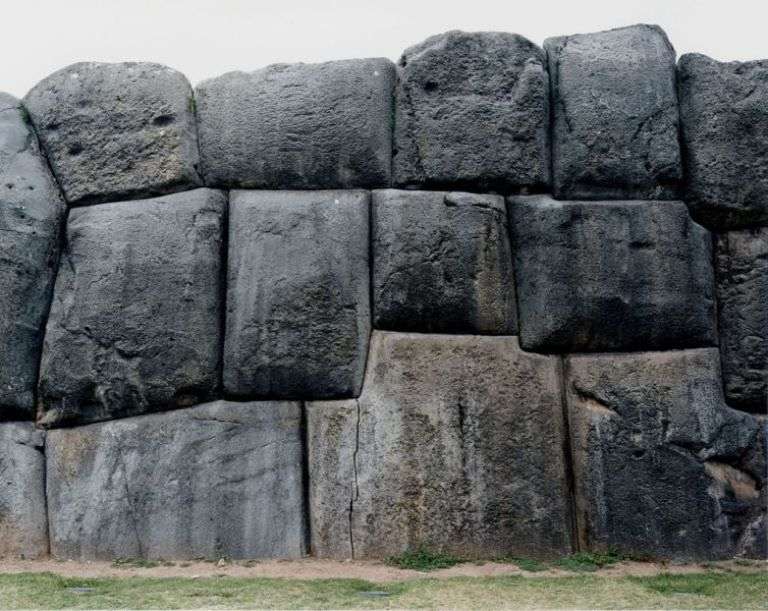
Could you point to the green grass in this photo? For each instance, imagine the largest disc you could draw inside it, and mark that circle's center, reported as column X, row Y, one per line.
column 423, row 559
column 588, row 561
column 525, row 564
column 139, row 563
column 690, row 591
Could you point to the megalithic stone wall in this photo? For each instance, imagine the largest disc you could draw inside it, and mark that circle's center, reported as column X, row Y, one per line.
column 494, row 300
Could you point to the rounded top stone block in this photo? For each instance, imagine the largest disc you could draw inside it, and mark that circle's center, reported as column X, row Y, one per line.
column 117, row 131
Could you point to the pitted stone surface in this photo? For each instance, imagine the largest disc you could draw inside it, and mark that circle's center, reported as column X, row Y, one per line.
column 23, row 519
column 298, row 126
column 298, row 294
column 662, row 467
column 615, row 133
column 629, row 275
column 742, row 297
column 135, row 319
column 442, row 263
column 31, row 214
column 724, row 115
column 220, row 480
column 117, row 131
column 456, row 444
column 472, row 111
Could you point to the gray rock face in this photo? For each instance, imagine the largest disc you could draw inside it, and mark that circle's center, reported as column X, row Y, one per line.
column 615, row 132
column 117, row 131
column 472, row 112
column 442, row 263
column 31, row 214
column 298, row 294
column 217, row 480
column 23, row 519
column 742, row 297
column 135, row 319
column 724, row 114
column 627, row 275
column 299, row 126
column 662, row 466
column 456, row 444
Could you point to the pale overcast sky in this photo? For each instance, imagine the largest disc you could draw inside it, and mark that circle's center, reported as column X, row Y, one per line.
column 203, row 38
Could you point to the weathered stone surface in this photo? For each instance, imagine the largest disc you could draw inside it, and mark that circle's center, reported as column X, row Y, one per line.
column 218, row 480
column 442, row 263
column 742, row 297
column 298, row 294
column 662, row 466
column 629, row 275
column 135, row 319
column 23, row 519
column 117, row 131
column 472, row 111
column 615, row 133
column 298, row 126
column 724, row 115
column 456, row 443
column 31, row 214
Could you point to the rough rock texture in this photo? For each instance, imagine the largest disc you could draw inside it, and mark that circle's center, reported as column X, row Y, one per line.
column 742, row 297
column 221, row 480
column 615, row 133
column 472, row 111
column 724, row 115
column 456, row 443
column 117, row 131
column 135, row 319
column 442, row 263
column 299, row 126
column 298, row 294
column 662, row 466
column 23, row 519
column 627, row 275
column 31, row 215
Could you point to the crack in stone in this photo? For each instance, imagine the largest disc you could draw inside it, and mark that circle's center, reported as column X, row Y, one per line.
column 355, row 493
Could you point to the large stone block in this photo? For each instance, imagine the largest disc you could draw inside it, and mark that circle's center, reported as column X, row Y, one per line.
column 117, row 131
column 135, row 321
column 298, row 126
column 23, row 518
column 442, row 263
column 724, row 115
column 615, row 133
column 742, row 297
column 31, row 215
column 662, row 466
column 298, row 294
column 456, row 444
column 217, row 480
column 627, row 275
column 472, row 112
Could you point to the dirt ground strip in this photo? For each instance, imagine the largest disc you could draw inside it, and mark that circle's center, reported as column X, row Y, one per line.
column 311, row 568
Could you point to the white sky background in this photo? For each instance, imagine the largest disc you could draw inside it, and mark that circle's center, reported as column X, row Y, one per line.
column 204, row 38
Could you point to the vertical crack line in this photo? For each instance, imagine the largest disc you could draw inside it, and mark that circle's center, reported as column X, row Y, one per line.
column 355, row 488
column 47, row 508
column 129, row 498
column 305, row 480
column 223, row 282
column 570, row 472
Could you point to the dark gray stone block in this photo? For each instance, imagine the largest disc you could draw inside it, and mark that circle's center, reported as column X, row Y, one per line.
column 615, row 133
column 220, row 480
column 442, row 263
column 31, row 214
column 472, row 112
column 298, row 294
column 456, row 444
column 23, row 518
column 724, row 115
column 629, row 275
column 135, row 321
column 117, row 131
column 742, row 297
column 662, row 467
column 298, row 126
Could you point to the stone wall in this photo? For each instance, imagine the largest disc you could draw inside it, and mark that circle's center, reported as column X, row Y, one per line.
column 493, row 300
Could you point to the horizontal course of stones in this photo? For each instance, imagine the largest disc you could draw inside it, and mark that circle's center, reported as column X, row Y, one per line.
column 493, row 300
